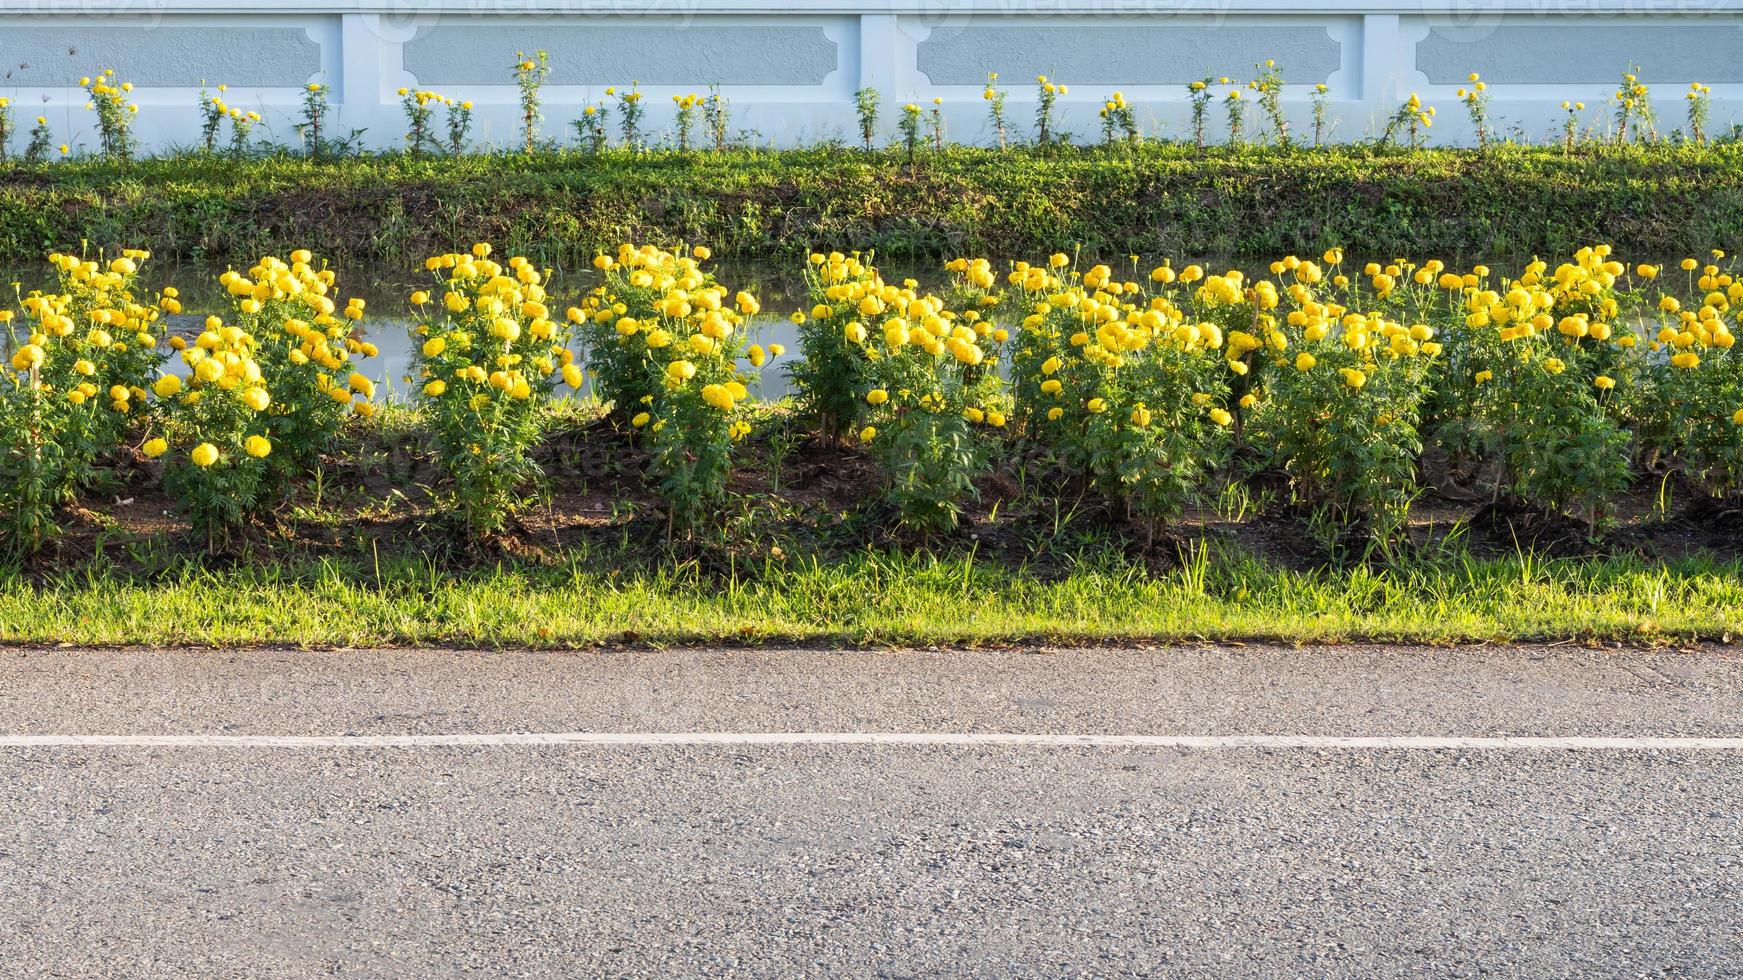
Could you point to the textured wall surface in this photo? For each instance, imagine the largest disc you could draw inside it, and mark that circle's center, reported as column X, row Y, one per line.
column 790, row 71
column 680, row 53
column 1127, row 54
column 1668, row 54
column 178, row 53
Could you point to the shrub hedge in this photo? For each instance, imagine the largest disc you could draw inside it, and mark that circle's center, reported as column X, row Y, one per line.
column 772, row 205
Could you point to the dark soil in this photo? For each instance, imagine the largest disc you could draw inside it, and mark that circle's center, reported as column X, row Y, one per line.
column 793, row 495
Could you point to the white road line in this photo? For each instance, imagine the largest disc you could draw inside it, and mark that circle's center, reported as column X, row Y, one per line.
column 1503, row 743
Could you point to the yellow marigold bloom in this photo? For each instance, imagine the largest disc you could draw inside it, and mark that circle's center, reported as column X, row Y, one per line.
column 868, row 433
column 154, row 448
column 205, row 454
column 28, row 357
column 1097, row 405
column 257, row 399
column 1221, row 416
column 1305, row 361
column 258, row 446
column 717, row 396
column 435, row 389
column 877, row 396
column 1604, row 382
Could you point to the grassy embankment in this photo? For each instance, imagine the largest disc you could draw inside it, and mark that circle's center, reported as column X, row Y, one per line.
column 1160, row 199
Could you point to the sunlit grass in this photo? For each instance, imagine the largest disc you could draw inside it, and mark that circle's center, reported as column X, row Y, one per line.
column 877, row 599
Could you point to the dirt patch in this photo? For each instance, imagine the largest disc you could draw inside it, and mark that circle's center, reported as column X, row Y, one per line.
column 791, row 495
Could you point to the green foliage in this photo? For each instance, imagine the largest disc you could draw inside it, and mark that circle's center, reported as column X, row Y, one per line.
column 672, row 356
column 1118, row 392
column 530, row 72
column 753, row 205
column 873, row 598
column 78, row 361
column 33, row 464
column 1536, row 383
column 488, row 359
column 865, row 105
column 844, row 293
column 934, row 392
column 1344, row 426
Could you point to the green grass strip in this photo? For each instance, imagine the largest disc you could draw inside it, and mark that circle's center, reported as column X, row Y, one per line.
column 876, row 599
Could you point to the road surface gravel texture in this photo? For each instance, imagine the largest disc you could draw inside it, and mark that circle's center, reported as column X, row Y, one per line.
column 235, row 850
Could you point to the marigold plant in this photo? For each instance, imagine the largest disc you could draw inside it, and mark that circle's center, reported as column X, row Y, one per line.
column 216, row 433
column 844, row 293
column 488, row 359
column 307, row 346
column 266, row 392
column 1341, row 412
column 1698, row 377
column 933, row 396
column 1125, row 388
column 1537, row 347
column 672, row 355
column 79, row 359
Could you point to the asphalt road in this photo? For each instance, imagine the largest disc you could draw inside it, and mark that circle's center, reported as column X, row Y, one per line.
column 207, row 857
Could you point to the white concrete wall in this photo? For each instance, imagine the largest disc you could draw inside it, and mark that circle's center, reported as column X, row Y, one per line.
column 791, row 68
